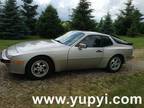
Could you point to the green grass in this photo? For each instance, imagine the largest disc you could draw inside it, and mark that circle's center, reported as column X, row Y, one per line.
column 114, row 85
column 137, row 41
column 131, row 85
column 6, row 43
column 81, row 85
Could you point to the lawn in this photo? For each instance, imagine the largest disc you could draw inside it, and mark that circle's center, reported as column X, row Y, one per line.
column 113, row 84
column 6, row 43
column 129, row 85
column 137, row 41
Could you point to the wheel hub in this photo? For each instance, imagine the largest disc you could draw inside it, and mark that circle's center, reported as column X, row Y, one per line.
column 115, row 63
column 40, row 68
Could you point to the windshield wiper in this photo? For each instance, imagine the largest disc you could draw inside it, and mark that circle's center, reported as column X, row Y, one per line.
column 58, row 41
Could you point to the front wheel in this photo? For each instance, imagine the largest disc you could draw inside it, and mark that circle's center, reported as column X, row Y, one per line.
column 114, row 64
column 38, row 68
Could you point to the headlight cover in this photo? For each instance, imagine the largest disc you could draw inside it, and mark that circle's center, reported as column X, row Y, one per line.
column 4, row 55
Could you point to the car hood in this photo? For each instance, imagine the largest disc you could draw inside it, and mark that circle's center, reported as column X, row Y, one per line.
column 35, row 46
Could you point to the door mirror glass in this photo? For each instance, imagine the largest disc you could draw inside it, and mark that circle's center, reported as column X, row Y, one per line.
column 81, row 46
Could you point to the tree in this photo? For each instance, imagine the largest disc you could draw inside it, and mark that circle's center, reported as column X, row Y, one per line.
column 126, row 21
column 82, row 18
column 29, row 12
column 1, row 19
column 142, row 27
column 49, row 24
column 133, row 30
column 66, row 25
column 100, row 24
column 135, row 26
column 119, row 26
column 12, row 19
column 127, row 13
column 107, row 25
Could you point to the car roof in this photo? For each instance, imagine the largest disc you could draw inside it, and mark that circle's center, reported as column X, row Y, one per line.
column 92, row 33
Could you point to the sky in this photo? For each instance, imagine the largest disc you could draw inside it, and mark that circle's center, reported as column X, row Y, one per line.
column 101, row 7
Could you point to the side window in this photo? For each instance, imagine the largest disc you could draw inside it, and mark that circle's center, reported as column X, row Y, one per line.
column 106, row 41
column 92, row 41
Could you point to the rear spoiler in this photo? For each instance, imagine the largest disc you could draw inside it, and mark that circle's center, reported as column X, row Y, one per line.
column 128, row 43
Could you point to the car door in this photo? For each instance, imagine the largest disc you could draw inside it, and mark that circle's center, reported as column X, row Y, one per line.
column 89, row 57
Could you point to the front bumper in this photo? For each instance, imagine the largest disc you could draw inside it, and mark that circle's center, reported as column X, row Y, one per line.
column 11, row 65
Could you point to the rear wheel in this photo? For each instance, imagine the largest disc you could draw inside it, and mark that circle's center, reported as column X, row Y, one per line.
column 39, row 68
column 115, row 64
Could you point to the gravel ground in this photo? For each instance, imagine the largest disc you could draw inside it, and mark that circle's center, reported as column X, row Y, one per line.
column 16, row 91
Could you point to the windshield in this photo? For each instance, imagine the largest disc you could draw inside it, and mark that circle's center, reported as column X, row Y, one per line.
column 70, row 38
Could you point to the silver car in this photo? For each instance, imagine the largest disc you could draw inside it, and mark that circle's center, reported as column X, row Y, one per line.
column 73, row 50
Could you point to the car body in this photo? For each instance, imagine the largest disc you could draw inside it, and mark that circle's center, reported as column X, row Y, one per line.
column 74, row 50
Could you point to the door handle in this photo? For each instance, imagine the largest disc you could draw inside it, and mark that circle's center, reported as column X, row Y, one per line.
column 99, row 51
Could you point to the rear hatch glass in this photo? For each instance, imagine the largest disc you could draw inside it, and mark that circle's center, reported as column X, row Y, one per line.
column 120, row 41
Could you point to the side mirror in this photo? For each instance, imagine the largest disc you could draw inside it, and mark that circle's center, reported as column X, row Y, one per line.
column 81, row 46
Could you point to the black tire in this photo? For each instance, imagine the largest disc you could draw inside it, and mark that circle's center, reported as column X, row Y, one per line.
column 110, row 66
column 29, row 72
